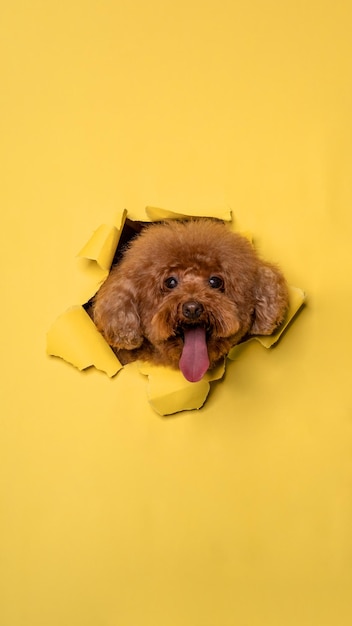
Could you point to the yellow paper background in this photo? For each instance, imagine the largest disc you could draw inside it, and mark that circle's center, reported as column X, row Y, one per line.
column 240, row 513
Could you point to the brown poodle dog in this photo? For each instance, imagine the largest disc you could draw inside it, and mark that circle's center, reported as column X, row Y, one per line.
column 184, row 293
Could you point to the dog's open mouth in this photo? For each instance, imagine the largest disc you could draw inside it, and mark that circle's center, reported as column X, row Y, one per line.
column 194, row 361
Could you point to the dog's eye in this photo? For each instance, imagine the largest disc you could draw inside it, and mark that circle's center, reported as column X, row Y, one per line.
column 216, row 282
column 171, row 282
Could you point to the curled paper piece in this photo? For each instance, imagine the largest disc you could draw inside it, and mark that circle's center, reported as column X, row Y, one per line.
column 169, row 392
column 75, row 338
column 156, row 214
column 97, row 256
column 296, row 300
column 102, row 245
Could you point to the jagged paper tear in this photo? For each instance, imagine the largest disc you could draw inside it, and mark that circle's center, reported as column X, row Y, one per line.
column 75, row 338
column 169, row 392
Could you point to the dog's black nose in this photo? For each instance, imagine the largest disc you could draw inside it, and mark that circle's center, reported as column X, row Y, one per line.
column 192, row 309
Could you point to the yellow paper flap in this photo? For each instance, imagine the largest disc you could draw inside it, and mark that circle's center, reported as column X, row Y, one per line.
column 296, row 300
column 75, row 338
column 169, row 392
column 156, row 214
column 102, row 245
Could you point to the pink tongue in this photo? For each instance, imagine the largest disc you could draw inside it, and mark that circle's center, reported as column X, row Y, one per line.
column 194, row 361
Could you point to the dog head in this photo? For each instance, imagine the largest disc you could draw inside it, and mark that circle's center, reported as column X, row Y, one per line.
column 185, row 293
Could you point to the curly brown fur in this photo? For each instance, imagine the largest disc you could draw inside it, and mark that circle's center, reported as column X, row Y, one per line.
column 177, row 276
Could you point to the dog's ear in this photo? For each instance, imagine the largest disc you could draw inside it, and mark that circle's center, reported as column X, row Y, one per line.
column 115, row 312
column 271, row 300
